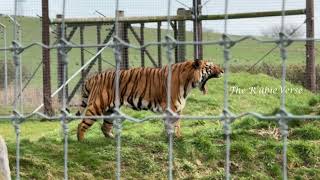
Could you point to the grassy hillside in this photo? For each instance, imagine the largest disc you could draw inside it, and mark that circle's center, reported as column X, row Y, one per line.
column 255, row 150
column 244, row 53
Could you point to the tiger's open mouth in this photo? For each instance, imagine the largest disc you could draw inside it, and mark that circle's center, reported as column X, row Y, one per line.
column 202, row 84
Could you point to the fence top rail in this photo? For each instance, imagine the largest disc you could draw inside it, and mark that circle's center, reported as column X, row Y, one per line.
column 186, row 16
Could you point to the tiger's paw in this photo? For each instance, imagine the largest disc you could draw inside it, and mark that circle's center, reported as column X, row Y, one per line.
column 107, row 132
column 109, row 135
column 178, row 136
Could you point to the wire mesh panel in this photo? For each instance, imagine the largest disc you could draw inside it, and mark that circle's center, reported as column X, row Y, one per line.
column 118, row 41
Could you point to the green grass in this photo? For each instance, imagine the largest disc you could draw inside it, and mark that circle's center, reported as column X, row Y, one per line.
column 255, row 150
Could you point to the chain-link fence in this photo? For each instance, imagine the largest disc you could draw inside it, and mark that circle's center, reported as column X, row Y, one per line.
column 120, row 45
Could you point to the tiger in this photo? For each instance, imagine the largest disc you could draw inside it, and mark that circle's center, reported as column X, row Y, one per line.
column 143, row 88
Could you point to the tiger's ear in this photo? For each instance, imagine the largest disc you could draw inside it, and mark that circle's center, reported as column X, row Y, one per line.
column 196, row 64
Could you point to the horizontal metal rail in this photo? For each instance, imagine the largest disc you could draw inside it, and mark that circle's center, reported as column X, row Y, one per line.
column 146, row 19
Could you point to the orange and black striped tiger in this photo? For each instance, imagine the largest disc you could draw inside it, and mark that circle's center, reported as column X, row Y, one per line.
column 143, row 88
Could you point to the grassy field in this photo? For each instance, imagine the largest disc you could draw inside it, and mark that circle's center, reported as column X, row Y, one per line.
column 255, row 151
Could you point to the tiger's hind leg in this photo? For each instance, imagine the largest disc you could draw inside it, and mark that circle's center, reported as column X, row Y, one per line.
column 107, row 125
column 83, row 127
column 177, row 126
column 86, row 123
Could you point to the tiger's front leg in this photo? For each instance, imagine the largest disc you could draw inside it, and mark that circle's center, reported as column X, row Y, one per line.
column 177, row 126
column 174, row 123
column 107, row 125
column 177, row 129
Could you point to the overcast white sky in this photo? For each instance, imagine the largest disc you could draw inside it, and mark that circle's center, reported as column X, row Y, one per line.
column 87, row 8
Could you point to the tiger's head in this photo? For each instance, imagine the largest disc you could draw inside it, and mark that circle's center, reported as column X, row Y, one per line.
column 204, row 71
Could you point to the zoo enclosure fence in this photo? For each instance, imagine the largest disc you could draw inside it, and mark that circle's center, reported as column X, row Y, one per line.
column 117, row 44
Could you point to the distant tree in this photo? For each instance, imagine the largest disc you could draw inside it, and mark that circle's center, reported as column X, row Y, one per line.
column 291, row 30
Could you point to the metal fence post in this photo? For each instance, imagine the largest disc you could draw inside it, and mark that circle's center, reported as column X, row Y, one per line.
column 98, row 49
column 5, row 65
column 18, row 38
column 46, row 59
column 159, row 46
column 123, row 34
column 310, row 47
column 17, row 86
column 181, row 27
column 59, row 59
column 197, row 29
column 82, row 52
column 142, row 52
